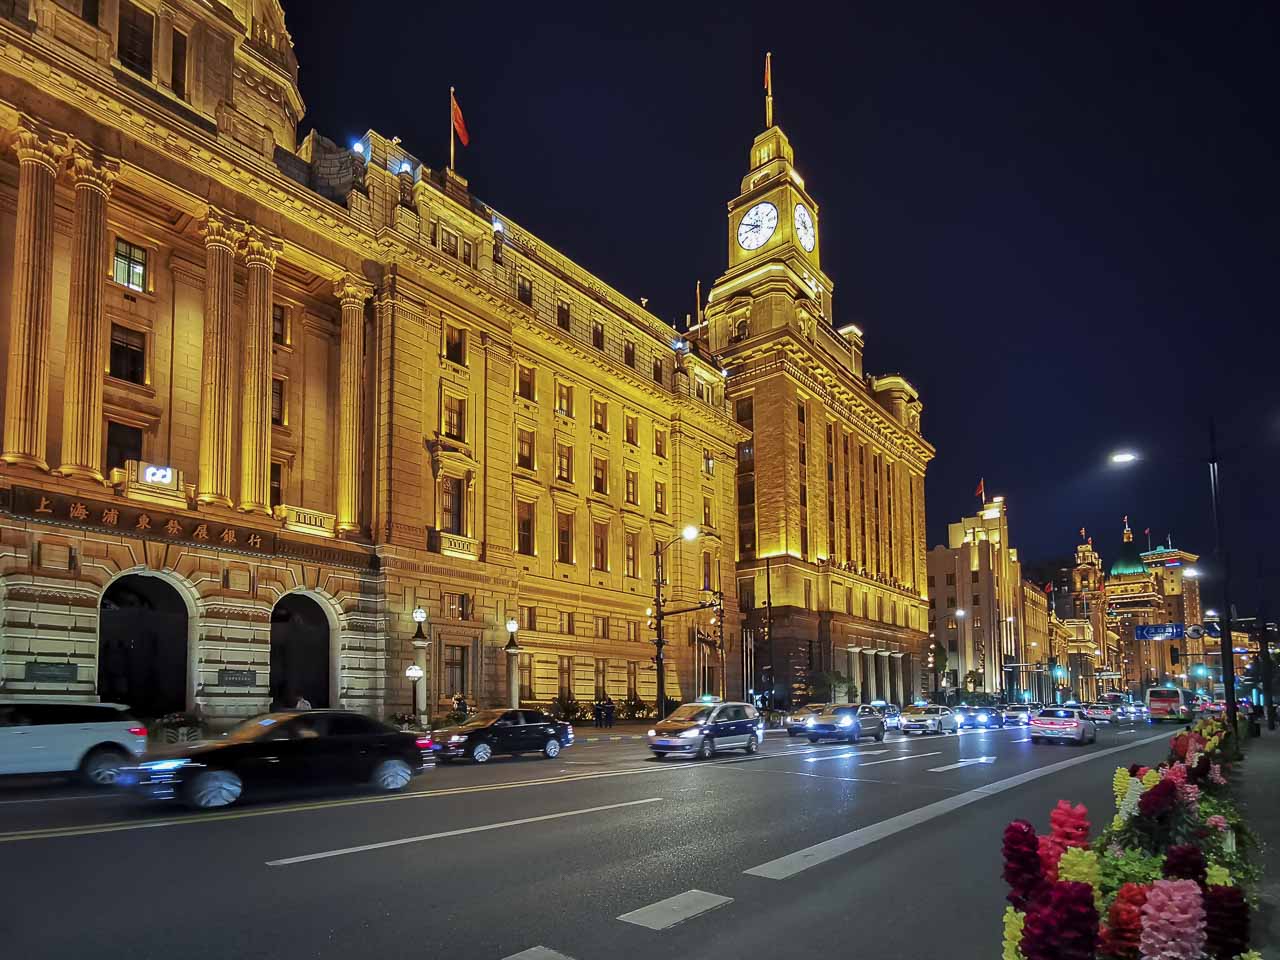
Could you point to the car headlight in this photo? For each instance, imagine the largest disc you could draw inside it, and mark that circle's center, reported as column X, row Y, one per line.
column 691, row 733
column 161, row 766
column 653, row 733
column 457, row 738
column 846, row 721
column 808, row 721
column 982, row 718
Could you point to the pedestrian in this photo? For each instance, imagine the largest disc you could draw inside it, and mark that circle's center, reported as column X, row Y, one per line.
column 597, row 713
column 608, row 711
column 302, row 703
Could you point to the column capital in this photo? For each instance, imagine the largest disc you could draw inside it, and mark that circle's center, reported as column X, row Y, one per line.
column 351, row 290
column 261, row 249
column 34, row 142
column 221, row 230
column 91, row 169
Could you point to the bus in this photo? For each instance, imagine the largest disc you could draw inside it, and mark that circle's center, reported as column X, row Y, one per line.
column 1170, row 703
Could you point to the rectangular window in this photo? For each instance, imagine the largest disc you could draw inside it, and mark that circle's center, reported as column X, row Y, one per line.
column 633, row 430
column 977, row 600
column 706, row 571
column 633, row 487
column 564, row 399
column 524, row 527
column 708, row 462
column 973, row 576
column 526, row 677
column 451, row 518
column 566, row 622
column 128, row 359
column 468, row 253
column 456, row 606
column 747, row 594
column 277, row 401
column 524, row 291
column 600, row 415
column 449, row 243
column 744, row 411
column 123, row 443
column 455, row 345
column 951, row 580
column 525, row 444
column 529, row 618
column 808, row 595
column 564, row 537
column 632, row 545
column 562, row 315
column 601, row 625
column 600, row 546
column 659, row 443
column 564, row 463
column 178, row 65
column 433, row 231
column 599, row 475
column 134, row 48
column 279, row 324
column 629, row 354
column 633, row 680
column 455, row 670
column 129, row 266
column 455, row 417
column 951, row 603
column 706, row 512
column 565, row 675
column 657, row 371
column 277, row 484
column 659, row 497
column 497, row 249
column 89, row 11
column 633, row 630
column 602, row 678
column 597, row 334
column 524, row 382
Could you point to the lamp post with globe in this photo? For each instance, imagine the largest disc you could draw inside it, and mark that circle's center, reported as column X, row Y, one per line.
column 421, row 650
column 512, row 650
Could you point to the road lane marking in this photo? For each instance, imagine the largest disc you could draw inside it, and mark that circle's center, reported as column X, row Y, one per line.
column 1023, row 740
column 846, row 755
column 801, row 860
column 81, row 796
column 538, row 953
column 483, row 828
column 963, row 763
column 683, row 906
column 910, row 756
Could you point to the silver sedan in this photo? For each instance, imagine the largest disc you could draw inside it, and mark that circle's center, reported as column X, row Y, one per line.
column 929, row 720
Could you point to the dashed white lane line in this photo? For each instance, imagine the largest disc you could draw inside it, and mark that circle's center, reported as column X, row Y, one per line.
column 801, row 860
column 1023, row 740
column 963, row 763
column 845, row 756
column 326, row 854
column 667, row 913
column 910, row 756
column 538, row 953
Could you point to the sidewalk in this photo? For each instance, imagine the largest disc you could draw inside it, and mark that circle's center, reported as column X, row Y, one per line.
column 1259, row 776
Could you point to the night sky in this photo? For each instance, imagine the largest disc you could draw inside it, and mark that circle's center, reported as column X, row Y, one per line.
column 1058, row 221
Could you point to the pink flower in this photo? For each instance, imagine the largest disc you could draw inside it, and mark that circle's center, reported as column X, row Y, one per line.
column 1173, row 921
column 1189, row 794
column 1217, row 821
column 1177, row 773
column 1215, row 775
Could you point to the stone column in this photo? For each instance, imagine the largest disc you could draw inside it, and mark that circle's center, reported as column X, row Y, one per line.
column 261, row 252
column 896, row 667
column 513, row 677
column 217, row 374
column 86, row 330
column 870, row 693
column 40, row 155
column 855, row 673
column 352, row 294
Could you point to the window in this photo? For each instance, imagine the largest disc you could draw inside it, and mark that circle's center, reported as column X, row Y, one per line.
column 600, row 415
column 597, row 334
column 951, row 603
column 277, row 484
column 706, row 571
column 951, row 625
column 564, row 463
column 433, row 232
column 89, row 11
column 973, row 576
column 629, row 354
column 632, row 545
column 564, row 399
column 123, row 443
column 566, row 622
column 277, row 401
column 129, row 266
column 526, row 676
column 706, row 512
column 449, row 242
column 468, row 255
column 633, row 630
column 977, row 600
column 599, row 475
column 747, row 595
column 951, row 581
column 524, row 527
column 455, row 417
column 455, row 669
column 525, row 444
column 497, row 249
column 601, row 625
column 456, row 606
column 931, row 579
column 632, row 430
column 455, row 345
column 632, row 487
column 178, row 65
column 600, row 546
column 602, row 678
column 128, row 360
column 659, row 497
column 528, row 618
column 524, row 382
column 524, row 291
column 657, row 371
column 700, row 390
column 451, row 516
column 808, row 595
column 562, row 315
column 564, row 537
column 134, row 48
column 744, row 411
column 708, row 462
column 565, row 674
column 633, row 680
column 279, row 324
column 659, row 443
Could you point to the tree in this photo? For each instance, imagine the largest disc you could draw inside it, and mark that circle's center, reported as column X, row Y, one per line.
column 972, row 680
column 826, row 686
column 939, row 652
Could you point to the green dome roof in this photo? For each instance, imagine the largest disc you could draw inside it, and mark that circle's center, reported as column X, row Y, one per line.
column 1128, row 560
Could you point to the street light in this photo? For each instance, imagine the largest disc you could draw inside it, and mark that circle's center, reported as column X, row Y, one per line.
column 1191, row 573
column 658, row 613
column 421, row 644
column 1124, row 456
column 414, row 673
column 1211, row 614
column 512, row 650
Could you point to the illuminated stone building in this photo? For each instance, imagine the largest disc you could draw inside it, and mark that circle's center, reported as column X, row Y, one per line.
column 1135, row 595
column 1036, row 643
column 1181, row 583
column 831, row 522
column 263, row 398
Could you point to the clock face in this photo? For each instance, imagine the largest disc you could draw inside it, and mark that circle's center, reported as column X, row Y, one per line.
column 757, row 226
column 804, row 228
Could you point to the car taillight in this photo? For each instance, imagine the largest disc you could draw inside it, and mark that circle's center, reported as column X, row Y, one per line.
column 138, row 731
column 424, row 743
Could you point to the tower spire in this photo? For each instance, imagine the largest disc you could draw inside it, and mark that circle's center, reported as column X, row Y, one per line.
column 768, row 90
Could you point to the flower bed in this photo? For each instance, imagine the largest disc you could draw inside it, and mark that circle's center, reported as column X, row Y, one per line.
column 1168, row 879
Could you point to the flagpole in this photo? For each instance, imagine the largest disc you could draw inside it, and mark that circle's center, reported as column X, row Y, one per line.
column 768, row 90
column 451, row 128
column 698, row 299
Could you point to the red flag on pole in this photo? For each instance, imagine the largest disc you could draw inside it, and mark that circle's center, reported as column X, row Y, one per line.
column 981, row 492
column 1048, row 587
column 459, row 125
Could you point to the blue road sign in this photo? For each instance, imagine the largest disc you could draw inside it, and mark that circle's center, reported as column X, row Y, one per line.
column 1158, row 631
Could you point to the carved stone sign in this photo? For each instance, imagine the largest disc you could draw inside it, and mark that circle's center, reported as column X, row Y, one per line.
column 237, row 678
column 38, row 672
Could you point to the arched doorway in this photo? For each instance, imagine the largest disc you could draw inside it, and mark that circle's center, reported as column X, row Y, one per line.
column 299, row 652
column 142, row 646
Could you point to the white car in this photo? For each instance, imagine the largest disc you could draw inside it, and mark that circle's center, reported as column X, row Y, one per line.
column 1020, row 714
column 1063, row 723
column 1102, row 712
column 928, row 720
column 93, row 740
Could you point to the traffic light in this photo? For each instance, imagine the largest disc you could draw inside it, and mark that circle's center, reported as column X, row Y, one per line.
column 1174, row 655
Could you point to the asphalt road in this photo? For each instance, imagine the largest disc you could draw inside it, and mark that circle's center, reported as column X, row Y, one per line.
column 891, row 849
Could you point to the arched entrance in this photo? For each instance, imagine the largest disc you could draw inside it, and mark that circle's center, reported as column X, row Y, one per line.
column 142, row 645
column 300, row 652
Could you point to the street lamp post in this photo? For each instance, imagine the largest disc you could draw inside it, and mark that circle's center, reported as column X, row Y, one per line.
column 414, row 673
column 421, row 649
column 512, row 650
column 660, row 613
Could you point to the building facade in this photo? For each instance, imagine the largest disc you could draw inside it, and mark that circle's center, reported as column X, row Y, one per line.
column 263, row 400
column 1180, row 579
column 1135, row 596
column 830, row 476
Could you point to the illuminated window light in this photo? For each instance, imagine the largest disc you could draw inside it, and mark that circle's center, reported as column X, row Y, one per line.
column 358, row 147
column 405, row 168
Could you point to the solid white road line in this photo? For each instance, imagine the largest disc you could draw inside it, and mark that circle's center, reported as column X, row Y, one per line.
column 538, row 953
column 79, row 796
column 1023, row 740
column 910, row 756
column 963, row 763
column 324, row 855
column 845, row 756
column 667, row 913
column 801, row 860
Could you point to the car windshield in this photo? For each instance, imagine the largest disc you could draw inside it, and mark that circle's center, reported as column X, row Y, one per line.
column 934, row 711
column 915, row 711
column 1059, row 714
column 482, row 719
column 691, row 711
column 1163, row 694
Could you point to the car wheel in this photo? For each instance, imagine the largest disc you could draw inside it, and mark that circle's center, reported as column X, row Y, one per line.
column 214, row 788
column 391, row 775
column 707, row 750
column 551, row 749
column 482, row 753
column 101, row 767
column 1036, row 740
column 752, row 744
column 793, row 733
column 880, row 737
column 813, row 739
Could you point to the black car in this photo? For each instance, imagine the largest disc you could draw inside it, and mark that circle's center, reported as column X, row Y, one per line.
column 278, row 751
column 513, row 732
column 980, row 717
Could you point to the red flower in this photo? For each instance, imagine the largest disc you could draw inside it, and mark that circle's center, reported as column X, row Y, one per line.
column 1124, row 922
column 1050, row 849
column 1185, row 862
column 1070, row 825
column 1062, row 924
column 1022, row 869
column 1226, row 922
column 1159, row 800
